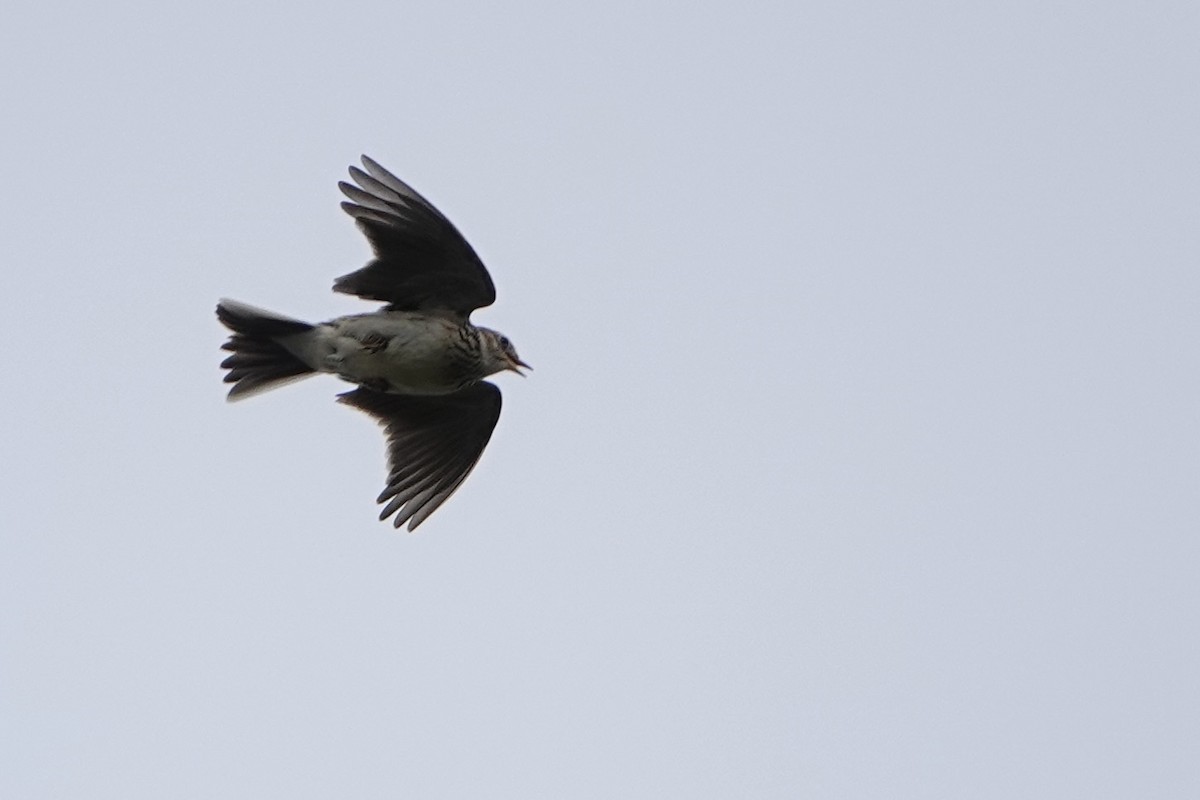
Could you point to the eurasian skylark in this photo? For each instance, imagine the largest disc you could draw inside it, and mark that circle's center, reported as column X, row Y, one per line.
column 418, row 363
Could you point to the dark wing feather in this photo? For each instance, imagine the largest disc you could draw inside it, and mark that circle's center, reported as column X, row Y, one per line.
column 433, row 444
column 421, row 260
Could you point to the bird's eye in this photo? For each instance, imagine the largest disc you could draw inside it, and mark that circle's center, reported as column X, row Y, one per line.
column 505, row 343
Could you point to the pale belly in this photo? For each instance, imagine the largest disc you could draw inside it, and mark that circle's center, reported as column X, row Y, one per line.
column 407, row 355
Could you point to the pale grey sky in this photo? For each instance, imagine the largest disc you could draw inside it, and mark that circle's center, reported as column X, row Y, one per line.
column 860, row 458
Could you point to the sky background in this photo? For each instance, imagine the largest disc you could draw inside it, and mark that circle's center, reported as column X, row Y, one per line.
column 860, row 458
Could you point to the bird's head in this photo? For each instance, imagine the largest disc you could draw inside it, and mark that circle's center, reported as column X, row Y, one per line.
column 499, row 353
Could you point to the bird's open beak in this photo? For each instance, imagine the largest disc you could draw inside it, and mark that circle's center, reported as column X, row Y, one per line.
column 515, row 365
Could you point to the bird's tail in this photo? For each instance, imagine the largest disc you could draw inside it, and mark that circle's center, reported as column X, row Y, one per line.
column 260, row 361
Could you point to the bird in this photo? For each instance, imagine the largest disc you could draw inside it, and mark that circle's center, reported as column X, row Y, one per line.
column 418, row 363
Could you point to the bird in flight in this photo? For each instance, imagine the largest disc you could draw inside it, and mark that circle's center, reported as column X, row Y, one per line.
column 418, row 364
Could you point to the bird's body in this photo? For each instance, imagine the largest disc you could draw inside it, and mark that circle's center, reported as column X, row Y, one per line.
column 403, row 352
column 418, row 362
column 406, row 352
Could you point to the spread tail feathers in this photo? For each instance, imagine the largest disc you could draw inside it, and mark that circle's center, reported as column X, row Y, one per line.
column 259, row 361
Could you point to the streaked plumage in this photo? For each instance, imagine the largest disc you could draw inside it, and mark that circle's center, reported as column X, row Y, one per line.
column 418, row 362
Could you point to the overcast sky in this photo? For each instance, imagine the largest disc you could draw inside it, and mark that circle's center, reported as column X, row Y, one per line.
column 861, row 456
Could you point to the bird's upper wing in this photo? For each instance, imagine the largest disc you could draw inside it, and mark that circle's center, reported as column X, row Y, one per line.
column 433, row 444
column 421, row 260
